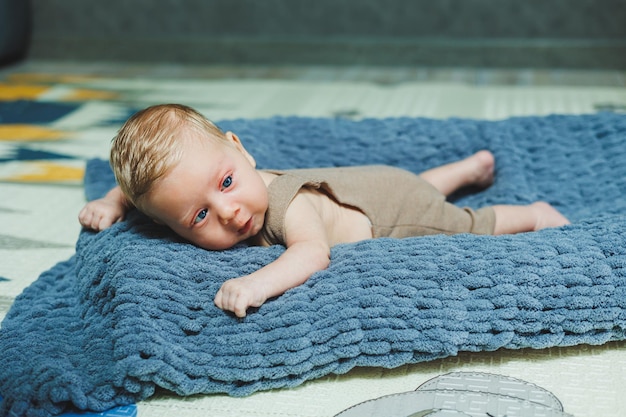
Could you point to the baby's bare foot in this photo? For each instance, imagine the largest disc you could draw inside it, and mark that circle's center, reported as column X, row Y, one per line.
column 547, row 216
column 481, row 171
column 476, row 170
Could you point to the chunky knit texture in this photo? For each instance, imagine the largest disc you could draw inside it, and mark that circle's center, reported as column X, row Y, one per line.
column 133, row 309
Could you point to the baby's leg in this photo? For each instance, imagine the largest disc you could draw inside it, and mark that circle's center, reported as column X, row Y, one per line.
column 474, row 170
column 518, row 219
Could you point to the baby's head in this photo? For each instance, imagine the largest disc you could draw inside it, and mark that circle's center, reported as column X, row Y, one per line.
column 151, row 142
column 181, row 170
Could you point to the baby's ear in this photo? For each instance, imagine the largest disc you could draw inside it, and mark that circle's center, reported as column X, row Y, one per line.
column 234, row 139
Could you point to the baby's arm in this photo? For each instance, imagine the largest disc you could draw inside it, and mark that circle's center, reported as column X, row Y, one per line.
column 102, row 213
column 307, row 252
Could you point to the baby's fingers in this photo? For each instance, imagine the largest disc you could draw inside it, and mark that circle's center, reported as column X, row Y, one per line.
column 240, row 309
column 90, row 219
column 218, row 300
column 97, row 220
column 107, row 221
column 84, row 217
column 231, row 301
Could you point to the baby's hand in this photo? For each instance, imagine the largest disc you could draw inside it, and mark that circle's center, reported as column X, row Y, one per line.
column 100, row 214
column 238, row 294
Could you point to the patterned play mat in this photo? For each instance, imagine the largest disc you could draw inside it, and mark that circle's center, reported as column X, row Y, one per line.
column 51, row 123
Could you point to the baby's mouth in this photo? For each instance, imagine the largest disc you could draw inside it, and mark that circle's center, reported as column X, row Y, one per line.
column 246, row 227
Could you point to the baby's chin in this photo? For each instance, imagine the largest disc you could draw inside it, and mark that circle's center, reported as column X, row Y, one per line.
column 216, row 246
column 256, row 240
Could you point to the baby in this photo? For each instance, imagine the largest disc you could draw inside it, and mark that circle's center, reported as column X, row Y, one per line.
column 182, row 171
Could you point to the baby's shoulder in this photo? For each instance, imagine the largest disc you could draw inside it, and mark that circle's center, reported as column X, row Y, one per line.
column 267, row 176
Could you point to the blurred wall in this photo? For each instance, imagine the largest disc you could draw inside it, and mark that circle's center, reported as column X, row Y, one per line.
column 15, row 29
column 497, row 33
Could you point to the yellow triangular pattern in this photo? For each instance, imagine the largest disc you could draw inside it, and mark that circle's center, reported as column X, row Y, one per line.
column 49, row 172
column 49, row 78
column 21, row 92
column 84, row 95
column 29, row 132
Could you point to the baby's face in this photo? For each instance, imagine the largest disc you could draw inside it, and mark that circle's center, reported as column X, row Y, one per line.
column 213, row 197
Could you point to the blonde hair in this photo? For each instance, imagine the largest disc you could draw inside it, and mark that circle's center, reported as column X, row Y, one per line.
column 150, row 143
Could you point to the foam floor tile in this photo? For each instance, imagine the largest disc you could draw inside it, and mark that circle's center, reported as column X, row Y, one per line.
column 38, row 225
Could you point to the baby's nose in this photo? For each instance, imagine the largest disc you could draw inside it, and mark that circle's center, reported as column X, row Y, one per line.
column 226, row 213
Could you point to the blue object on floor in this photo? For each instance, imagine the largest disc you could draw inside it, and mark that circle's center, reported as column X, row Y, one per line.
column 123, row 411
column 133, row 309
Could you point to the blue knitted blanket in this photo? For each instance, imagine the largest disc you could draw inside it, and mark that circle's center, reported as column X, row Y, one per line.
column 133, row 309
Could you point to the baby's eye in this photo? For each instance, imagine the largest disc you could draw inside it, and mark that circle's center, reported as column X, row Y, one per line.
column 228, row 181
column 200, row 216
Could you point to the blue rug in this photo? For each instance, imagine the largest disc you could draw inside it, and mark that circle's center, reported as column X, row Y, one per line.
column 133, row 309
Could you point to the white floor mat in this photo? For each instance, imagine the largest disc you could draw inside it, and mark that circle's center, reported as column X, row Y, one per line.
column 38, row 210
